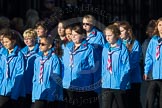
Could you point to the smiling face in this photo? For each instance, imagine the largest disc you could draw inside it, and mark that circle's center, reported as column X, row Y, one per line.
column 44, row 45
column 30, row 36
column 68, row 33
column 76, row 38
column 29, row 41
column 8, row 44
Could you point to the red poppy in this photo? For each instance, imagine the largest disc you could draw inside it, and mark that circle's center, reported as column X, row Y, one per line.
column 84, row 45
column 93, row 32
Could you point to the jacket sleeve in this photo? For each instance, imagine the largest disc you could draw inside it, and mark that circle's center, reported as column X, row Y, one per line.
column 125, row 81
column 19, row 69
column 2, row 68
column 56, row 80
column 148, row 58
column 101, row 39
column 103, row 65
column 35, row 70
column 135, row 55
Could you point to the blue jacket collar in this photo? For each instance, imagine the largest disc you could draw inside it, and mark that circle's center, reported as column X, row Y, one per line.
column 83, row 46
column 50, row 52
column 14, row 52
column 118, row 47
column 127, row 41
column 93, row 33
column 35, row 49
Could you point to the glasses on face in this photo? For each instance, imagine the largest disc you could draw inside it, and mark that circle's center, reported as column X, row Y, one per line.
column 42, row 44
column 87, row 24
column 27, row 38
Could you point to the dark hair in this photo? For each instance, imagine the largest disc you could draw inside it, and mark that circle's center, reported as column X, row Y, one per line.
column 55, row 44
column 79, row 29
column 151, row 24
column 68, row 27
column 13, row 35
column 65, row 23
column 42, row 24
column 49, row 39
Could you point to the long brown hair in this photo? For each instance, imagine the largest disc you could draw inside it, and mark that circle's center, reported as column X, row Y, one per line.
column 156, row 32
column 128, row 28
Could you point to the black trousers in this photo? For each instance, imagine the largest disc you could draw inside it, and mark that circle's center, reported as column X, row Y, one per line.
column 143, row 92
column 112, row 98
column 5, row 102
column 154, row 92
column 134, row 96
column 46, row 104
column 40, row 104
column 76, row 99
column 28, row 101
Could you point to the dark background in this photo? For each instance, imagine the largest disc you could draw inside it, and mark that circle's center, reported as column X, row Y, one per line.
column 137, row 12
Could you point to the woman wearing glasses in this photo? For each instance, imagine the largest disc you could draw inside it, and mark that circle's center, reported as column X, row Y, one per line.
column 94, row 36
column 97, row 39
column 47, row 76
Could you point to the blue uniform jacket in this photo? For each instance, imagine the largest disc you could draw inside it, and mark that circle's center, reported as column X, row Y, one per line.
column 97, row 39
column 51, row 87
column 134, row 59
column 78, row 67
column 150, row 61
column 11, row 85
column 120, row 77
column 30, row 57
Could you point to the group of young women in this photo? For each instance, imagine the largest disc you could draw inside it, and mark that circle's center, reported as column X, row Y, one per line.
column 82, row 67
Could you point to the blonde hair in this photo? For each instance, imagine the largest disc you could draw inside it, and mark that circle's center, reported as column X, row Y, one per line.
column 90, row 19
column 30, row 33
